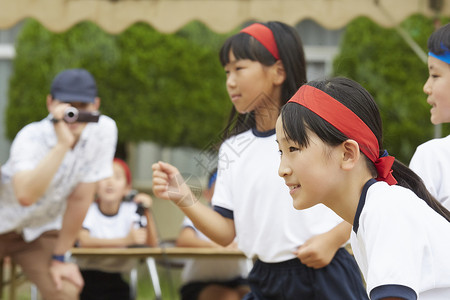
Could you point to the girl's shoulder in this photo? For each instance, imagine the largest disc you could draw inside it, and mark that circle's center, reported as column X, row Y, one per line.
column 239, row 144
column 391, row 198
column 236, row 139
column 435, row 144
column 128, row 206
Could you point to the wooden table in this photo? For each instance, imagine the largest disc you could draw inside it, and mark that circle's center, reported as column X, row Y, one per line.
column 162, row 253
column 158, row 252
column 147, row 253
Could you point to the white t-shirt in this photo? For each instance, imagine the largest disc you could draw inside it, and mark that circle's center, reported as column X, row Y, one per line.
column 401, row 245
column 89, row 161
column 249, row 190
column 110, row 227
column 431, row 162
column 211, row 269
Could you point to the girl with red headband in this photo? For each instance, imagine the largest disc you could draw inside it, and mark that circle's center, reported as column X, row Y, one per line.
column 114, row 220
column 299, row 255
column 330, row 139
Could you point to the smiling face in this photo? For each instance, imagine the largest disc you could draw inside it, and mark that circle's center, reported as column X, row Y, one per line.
column 113, row 189
column 311, row 172
column 437, row 87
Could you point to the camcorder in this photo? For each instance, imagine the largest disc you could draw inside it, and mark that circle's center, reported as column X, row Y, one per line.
column 72, row 115
column 140, row 207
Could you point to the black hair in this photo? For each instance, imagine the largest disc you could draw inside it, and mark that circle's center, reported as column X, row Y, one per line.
column 297, row 119
column 439, row 41
column 291, row 52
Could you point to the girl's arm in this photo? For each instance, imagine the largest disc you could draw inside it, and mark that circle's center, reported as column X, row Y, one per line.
column 136, row 236
column 318, row 251
column 189, row 238
column 168, row 184
column 152, row 235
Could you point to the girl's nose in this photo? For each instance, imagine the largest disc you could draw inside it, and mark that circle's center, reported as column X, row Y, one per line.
column 427, row 87
column 283, row 170
column 231, row 82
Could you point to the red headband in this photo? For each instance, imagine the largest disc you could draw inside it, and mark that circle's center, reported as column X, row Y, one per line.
column 125, row 168
column 347, row 122
column 263, row 35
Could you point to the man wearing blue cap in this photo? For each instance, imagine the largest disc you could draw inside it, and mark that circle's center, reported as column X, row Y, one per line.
column 49, row 181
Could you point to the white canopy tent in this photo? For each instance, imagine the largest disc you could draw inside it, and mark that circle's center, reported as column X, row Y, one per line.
column 115, row 16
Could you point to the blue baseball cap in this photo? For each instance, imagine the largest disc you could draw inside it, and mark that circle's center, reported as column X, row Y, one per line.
column 74, row 85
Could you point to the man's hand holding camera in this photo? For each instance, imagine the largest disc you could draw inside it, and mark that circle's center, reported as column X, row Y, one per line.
column 65, row 136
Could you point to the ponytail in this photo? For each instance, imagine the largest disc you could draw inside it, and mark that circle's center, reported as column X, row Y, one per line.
column 410, row 180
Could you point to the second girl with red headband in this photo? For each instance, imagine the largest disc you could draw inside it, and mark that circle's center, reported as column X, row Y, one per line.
column 299, row 254
column 330, row 140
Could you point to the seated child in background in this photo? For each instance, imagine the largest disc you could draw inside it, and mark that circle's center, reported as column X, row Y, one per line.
column 113, row 222
column 210, row 278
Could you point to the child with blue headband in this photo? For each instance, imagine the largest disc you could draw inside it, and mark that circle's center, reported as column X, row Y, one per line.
column 431, row 159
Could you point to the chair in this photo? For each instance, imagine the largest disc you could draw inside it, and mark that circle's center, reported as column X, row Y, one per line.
column 154, row 277
column 151, row 265
column 14, row 278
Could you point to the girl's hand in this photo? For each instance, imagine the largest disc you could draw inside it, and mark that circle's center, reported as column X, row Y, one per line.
column 137, row 236
column 169, row 184
column 144, row 199
column 316, row 252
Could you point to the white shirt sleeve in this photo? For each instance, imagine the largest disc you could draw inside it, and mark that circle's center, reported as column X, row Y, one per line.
column 425, row 163
column 392, row 241
column 27, row 149
column 223, row 195
column 100, row 166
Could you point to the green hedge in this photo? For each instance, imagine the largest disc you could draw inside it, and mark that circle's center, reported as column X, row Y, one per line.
column 166, row 88
column 387, row 67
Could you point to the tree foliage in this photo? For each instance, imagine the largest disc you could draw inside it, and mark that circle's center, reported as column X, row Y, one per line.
column 387, row 67
column 165, row 88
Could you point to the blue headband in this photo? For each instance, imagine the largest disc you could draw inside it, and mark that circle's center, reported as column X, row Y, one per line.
column 445, row 57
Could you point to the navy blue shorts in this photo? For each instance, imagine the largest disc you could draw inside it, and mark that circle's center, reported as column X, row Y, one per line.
column 288, row 280
column 100, row 285
column 190, row 291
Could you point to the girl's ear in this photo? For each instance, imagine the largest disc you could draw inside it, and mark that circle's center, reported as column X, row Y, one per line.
column 350, row 154
column 279, row 73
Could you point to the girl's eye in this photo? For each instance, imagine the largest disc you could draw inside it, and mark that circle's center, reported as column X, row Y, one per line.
column 281, row 152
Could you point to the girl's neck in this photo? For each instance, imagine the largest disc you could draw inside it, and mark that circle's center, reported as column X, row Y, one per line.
column 109, row 208
column 346, row 203
column 266, row 117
